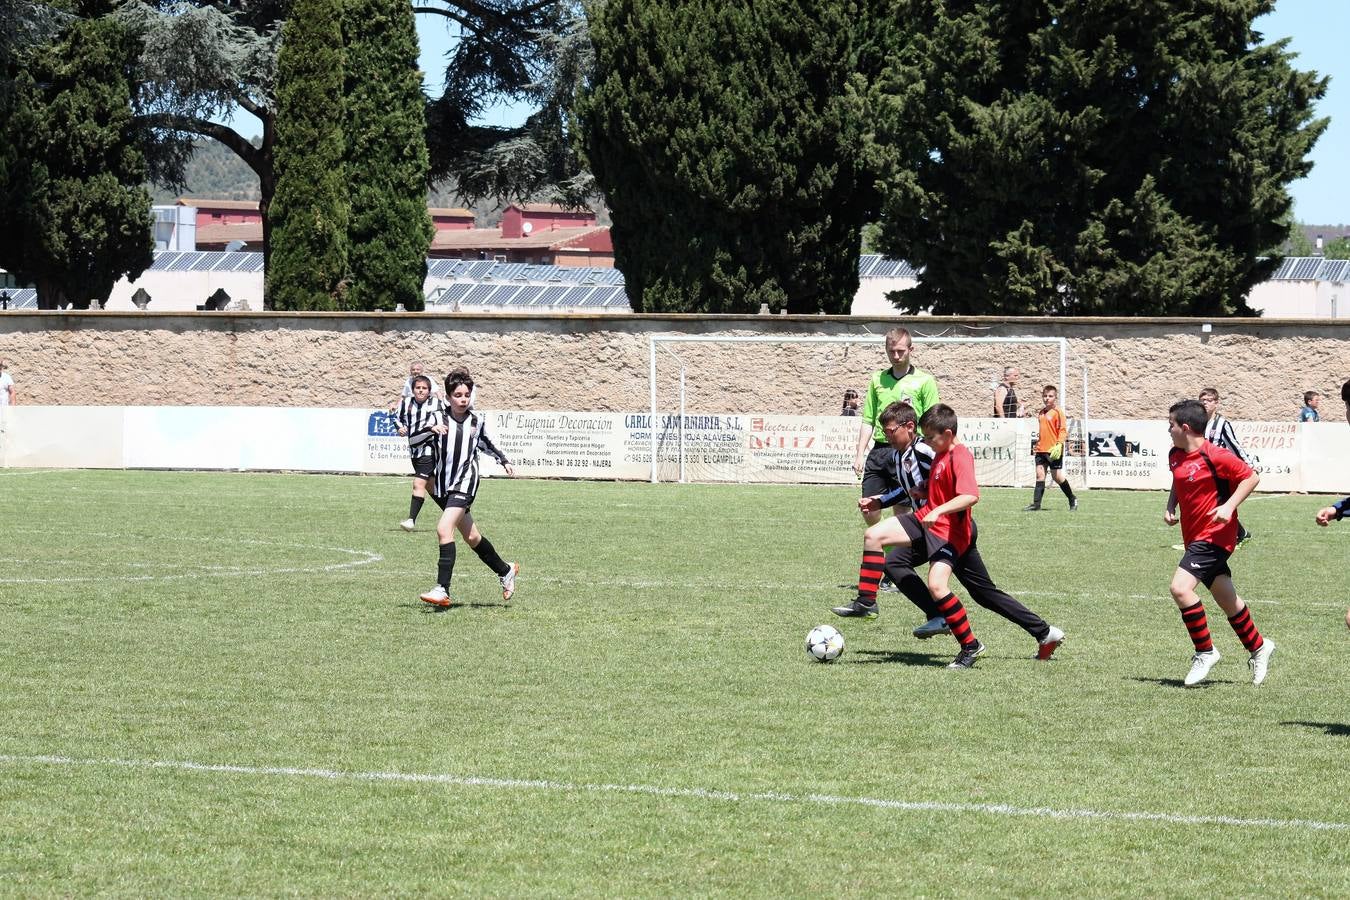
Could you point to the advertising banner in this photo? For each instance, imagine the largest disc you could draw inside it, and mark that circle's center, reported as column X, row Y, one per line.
column 698, row 447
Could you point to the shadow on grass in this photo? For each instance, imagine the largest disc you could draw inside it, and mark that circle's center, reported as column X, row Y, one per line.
column 1336, row 729
column 1178, row 683
column 440, row 610
column 904, row 657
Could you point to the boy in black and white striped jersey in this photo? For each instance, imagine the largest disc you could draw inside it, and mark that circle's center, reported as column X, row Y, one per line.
column 1219, row 432
column 418, row 417
column 456, row 484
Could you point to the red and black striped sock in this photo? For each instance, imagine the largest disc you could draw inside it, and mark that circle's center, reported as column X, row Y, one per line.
column 1198, row 626
column 1246, row 630
column 869, row 575
column 951, row 609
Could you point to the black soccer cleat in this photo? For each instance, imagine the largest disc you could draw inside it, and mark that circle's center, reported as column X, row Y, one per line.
column 858, row 609
column 1032, row 507
column 966, row 658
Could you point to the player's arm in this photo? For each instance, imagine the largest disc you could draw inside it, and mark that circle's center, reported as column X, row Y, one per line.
column 865, row 431
column 1230, row 442
column 1000, row 394
column 485, row 444
column 1225, row 512
column 1170, row 514
column 881, row 501
column 959, row 503
column 1335, row 511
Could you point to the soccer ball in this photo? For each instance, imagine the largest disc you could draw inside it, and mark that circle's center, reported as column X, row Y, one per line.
column 824, row 643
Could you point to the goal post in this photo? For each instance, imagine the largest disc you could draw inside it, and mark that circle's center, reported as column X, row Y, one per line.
column 959, row 387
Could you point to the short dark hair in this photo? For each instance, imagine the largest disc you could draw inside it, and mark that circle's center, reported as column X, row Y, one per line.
column 1050, row 387
column 898, row 412
column 1209, row 392
column 456, row 378
column 1309, row 395
column 1190, row 413
column 939, row 418
column 422, row 378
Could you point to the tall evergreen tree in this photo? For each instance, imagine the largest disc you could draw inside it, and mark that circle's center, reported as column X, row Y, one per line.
column 76, row 216
column 1119, row 157
column 389, row 231
column 728, row 138
column 308, row 268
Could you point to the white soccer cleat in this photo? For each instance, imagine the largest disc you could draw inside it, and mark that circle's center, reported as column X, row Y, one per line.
column 1260, row 660
column 1201, row 663
column 437, row 596
column 509, row 581
column 407, row 524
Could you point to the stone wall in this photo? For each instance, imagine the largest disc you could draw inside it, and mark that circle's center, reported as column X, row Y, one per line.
column 1136, row 368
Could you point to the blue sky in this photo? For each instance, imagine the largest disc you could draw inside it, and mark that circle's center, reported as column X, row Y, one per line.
column 1318, row 30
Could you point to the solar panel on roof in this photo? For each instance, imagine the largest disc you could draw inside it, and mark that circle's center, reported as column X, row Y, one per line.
column 1306, row 268
column 549, row 296
column 526, row 295
column 206, row 261
column 619, row 301
column 575, row 296
column 438, row 268
column 503, row 295
column 478, row 294
column 1333, row 270
column 165, row 259
column 236, row 262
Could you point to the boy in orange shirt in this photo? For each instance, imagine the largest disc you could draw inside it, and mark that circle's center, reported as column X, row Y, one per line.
column 1050, row 448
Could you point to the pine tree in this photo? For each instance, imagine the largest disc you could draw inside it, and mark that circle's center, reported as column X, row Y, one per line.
column 728, row 138
column 1120, row 157
column 75, row 216
column 308, row 265
column 389, row 231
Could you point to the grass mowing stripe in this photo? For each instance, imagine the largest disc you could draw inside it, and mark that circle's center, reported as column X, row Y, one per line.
column 998, row 809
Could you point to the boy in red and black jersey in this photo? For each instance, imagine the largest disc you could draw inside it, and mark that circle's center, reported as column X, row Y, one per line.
column 942, row 531
column 1209, row 483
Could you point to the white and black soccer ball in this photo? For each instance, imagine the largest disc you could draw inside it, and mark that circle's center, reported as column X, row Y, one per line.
column 824, row 643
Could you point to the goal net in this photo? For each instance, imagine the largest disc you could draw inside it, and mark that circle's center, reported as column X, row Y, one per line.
column 755, row 408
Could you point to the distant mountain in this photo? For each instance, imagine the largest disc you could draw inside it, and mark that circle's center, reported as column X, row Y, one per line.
column 213, row 172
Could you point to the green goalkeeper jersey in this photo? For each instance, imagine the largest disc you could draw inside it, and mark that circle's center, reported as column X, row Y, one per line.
column 916, row 387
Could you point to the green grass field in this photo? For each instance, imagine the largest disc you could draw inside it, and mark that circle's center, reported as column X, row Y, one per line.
column 223, row 684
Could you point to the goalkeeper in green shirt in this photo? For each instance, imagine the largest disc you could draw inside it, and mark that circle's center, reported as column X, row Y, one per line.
column 903, row 383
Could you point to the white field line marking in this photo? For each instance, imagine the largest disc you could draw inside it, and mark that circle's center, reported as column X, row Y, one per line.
column 995, row 809
column 362, row 558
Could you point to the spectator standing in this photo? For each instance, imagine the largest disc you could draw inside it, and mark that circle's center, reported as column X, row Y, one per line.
column 8, row 397
column 415, row 370
column 851, row 403
column 1311, row 401
column 1006, row 404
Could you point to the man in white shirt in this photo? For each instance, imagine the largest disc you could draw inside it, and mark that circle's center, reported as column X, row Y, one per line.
column 7, row 395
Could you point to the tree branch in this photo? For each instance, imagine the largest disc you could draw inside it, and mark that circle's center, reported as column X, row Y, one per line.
column 236, row 142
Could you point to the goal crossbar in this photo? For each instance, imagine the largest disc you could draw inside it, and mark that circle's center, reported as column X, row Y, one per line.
column 657, row 341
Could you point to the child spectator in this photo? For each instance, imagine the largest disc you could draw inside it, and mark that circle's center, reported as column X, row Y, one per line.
column 1311, row 401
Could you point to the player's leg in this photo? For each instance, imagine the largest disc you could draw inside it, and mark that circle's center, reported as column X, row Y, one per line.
column 939, row 578
column 878, row 478
column 971, row 571
column 889, row 532
column 1057, row 471
column 505, row 571
column 424, row 469
column 900, row 565
column 1259, row 648
column 1185, row 580
column 1042, row 462
column 454, row 509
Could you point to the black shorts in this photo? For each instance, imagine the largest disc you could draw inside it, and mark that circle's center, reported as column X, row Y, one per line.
column 929, row 547
column 424, row 466
column 1205, row 561
column 455, row 500
column 879, row 471
column 1043, row 459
